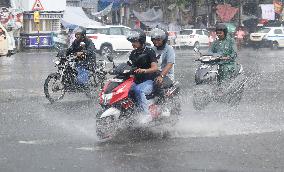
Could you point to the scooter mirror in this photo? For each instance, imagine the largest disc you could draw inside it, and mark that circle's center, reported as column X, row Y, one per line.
column 196, row 49
column 129, row 63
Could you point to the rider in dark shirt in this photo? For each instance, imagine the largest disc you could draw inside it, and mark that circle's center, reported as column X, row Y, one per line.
column 144, row 58
column 84, row 49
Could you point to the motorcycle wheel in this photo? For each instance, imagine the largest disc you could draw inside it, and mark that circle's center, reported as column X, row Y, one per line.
column 92, row 91
column 53, row 88
column 105, row 127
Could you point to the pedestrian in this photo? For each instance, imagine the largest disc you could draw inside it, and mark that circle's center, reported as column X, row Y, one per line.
column 212, row 37
column 240, row 34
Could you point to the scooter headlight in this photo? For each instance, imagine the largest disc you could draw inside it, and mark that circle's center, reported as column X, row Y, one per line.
column 106, row 98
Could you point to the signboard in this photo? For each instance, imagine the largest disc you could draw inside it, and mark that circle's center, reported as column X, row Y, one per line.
column 36, row 17
column 45, row 41
column 48, row 5
column 37, row 6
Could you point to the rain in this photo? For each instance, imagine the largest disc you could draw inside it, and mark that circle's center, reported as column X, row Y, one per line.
column 50, row 121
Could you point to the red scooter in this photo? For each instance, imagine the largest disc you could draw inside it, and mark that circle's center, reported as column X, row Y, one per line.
column 119, row 107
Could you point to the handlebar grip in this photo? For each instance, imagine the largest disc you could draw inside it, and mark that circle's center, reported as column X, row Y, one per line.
column 132, row 70
column 111, row 72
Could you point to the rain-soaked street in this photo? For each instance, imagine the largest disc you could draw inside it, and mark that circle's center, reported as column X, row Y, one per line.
column 38, row 136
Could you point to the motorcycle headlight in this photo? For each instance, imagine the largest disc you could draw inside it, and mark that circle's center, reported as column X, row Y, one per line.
column 56, row 61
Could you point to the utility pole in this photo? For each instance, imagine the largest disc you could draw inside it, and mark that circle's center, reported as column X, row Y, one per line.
column 240, row 12
column 37, row 22
column 207, row 15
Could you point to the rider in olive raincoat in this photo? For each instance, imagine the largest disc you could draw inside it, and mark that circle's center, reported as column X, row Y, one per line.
column 224, row 46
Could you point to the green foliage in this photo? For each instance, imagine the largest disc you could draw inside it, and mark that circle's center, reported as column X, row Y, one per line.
column 186, row 2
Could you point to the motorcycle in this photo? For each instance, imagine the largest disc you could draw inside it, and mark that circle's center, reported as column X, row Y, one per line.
column 64, row 80
column 208, row 86
column 120, row 109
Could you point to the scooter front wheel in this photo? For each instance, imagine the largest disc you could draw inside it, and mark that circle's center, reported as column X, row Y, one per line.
column 53, row 88
column 236, row 98
column 105, row 127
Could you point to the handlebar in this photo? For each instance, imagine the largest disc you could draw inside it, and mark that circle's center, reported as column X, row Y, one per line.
column 209, row 58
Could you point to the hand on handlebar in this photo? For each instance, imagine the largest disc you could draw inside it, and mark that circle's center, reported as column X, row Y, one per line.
column 139, row 70
column 80, row 55
column 225, row 58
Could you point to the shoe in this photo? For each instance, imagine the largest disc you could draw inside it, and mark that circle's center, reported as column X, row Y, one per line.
column 155, row 111
column 145, row 119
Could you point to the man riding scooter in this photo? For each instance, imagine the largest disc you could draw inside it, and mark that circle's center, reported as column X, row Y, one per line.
column 166, row 59
column 144, row 59
column 225, row 47
column 84, row 49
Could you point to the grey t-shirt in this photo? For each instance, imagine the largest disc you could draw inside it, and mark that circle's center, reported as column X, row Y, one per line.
column 165, row 56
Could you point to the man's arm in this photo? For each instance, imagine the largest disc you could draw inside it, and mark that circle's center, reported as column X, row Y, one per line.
column 152, row 69
column 170, row 57
column 211, row 48
column 154, row 64
column 233, row 55
column 70, row 49
column 166, row 69
column 90, row 48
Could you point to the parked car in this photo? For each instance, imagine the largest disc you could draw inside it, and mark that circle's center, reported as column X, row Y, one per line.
column 193, row 38
column 268, row 37
column 110, row 38
column 6, row 42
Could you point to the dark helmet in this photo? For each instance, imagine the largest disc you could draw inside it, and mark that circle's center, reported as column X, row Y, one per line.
column 159, row 34
column 137, row 35
column 222, row 27
column 81, row 31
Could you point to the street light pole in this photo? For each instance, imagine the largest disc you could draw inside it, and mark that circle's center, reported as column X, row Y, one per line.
column 240, row 12
column 208, row 22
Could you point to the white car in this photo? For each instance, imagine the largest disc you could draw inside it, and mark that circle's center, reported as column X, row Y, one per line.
column 193, row 38
column 7, row 42
column 268, row 37
column 111, row 38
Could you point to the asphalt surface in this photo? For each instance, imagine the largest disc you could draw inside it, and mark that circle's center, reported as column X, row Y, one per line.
column 38, row 136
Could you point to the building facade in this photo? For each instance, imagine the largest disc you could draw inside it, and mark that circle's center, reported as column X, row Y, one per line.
column 40, row 35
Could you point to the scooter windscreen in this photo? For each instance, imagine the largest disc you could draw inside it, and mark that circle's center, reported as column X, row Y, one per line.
column 122, row 69
column 207, row 58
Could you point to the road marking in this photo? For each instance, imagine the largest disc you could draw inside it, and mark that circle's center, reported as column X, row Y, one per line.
column 91, row 149
column 133, row 154
column 32, row 142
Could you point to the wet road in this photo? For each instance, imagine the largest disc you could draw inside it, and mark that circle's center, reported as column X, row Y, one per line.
column 38, row 136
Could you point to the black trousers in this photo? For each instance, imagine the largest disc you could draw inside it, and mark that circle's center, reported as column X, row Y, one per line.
column 159, row 88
